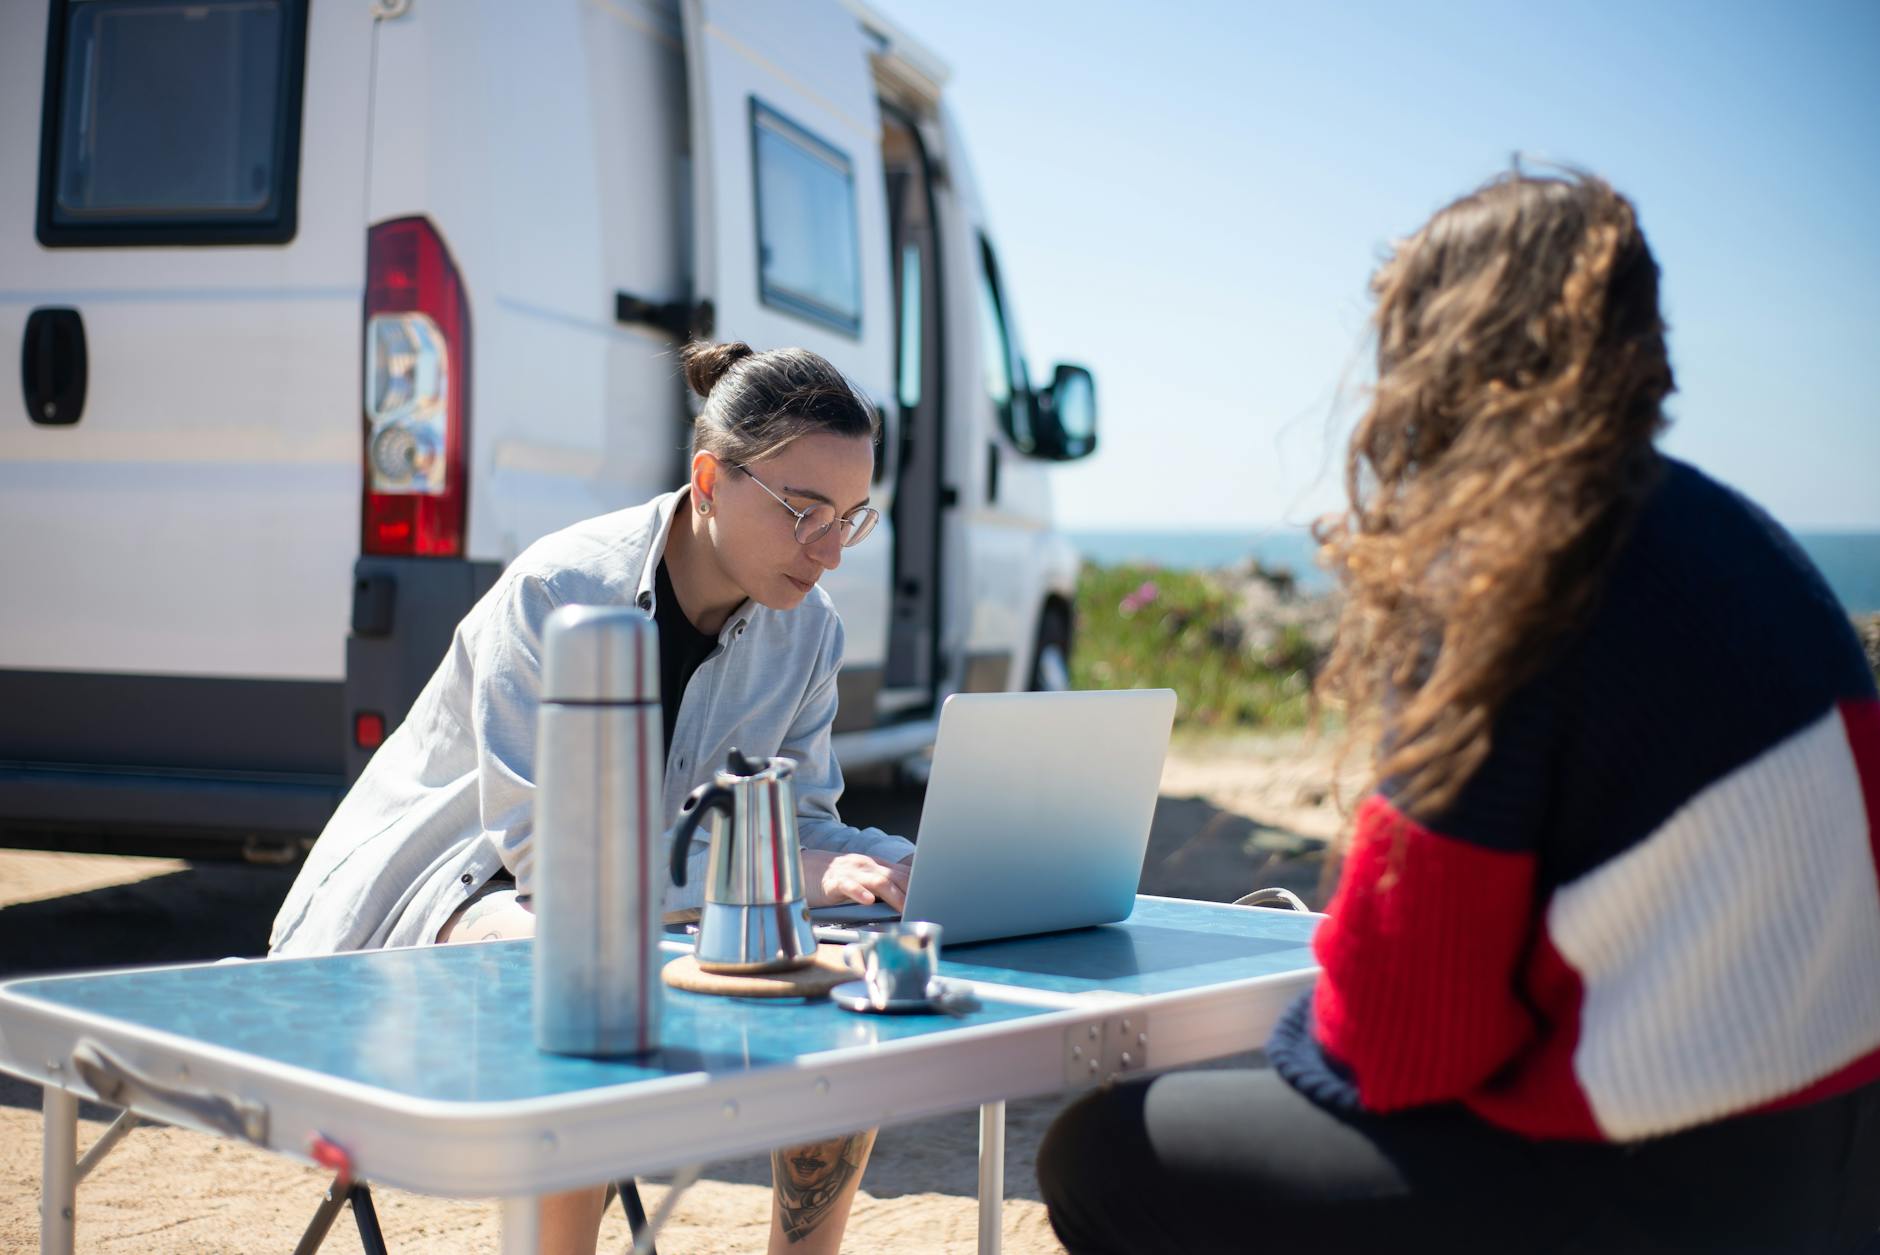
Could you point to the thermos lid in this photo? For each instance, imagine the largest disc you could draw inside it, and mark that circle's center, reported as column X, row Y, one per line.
column 600, row 654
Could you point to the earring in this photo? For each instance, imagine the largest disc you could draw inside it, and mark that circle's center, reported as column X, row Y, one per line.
column 704, row 507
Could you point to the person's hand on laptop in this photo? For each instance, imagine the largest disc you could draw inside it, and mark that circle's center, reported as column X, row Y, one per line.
column 833, row 879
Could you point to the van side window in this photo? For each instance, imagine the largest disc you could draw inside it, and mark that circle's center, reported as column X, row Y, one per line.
column 1004, row 360
column 171, row 124
column 808, row 247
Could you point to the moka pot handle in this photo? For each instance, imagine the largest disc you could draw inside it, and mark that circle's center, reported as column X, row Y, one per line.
column 707, row 797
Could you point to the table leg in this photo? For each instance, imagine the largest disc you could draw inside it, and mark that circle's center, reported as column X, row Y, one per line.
column 106, row 1141
column 322, row 1223
column 522, row 1225
column 58, row 1181
column 991, row 1176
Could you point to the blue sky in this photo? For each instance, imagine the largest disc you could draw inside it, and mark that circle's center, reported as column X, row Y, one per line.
column 1190, row 198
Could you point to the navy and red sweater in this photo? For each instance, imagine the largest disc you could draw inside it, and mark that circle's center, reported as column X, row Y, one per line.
column 1656, row 904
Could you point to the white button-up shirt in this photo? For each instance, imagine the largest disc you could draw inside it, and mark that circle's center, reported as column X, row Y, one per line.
column 448, row 800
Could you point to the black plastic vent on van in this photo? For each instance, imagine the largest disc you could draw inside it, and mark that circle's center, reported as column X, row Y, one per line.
column 52, row 367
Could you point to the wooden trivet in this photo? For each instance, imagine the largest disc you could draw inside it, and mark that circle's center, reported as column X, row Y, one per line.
column 813, row 981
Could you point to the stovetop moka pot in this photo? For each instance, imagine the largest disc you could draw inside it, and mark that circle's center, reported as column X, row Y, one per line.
column 756, row 918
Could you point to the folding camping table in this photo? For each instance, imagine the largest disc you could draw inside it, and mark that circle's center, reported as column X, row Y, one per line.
column 417, row 1067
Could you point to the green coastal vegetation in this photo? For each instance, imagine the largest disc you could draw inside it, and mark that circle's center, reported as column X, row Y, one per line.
column 1240, row 646
column 1236, row 646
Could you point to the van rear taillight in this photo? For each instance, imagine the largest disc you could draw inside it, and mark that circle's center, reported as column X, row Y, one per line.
column 417, row 403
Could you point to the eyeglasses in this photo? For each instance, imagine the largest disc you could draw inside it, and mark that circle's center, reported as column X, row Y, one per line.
column 814, row 523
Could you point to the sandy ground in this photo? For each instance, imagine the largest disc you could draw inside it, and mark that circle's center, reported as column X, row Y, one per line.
column 1234, row 814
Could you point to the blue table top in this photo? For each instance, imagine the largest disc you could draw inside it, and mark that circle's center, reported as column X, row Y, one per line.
column 1165, row 946
column 454, row 1023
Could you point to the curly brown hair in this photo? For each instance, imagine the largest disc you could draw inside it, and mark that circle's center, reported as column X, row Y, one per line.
column 1508, row 441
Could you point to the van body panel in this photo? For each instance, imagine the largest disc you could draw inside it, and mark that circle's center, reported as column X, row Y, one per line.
column 800, row 72
column 572, row 413
column 201, row 516
column 223, row 566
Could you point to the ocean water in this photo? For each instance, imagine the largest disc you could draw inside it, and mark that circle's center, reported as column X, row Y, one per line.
column 1850, row 561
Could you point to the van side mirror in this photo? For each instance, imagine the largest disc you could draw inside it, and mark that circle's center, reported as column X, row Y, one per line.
column 1067, row 415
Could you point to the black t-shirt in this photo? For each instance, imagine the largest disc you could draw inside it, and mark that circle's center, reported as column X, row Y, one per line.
column 682, row 648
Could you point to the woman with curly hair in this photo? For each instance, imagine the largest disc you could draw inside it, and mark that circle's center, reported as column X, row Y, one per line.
column 1602, row 970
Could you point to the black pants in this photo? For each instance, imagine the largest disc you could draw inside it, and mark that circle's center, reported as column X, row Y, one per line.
column 1240, row 1161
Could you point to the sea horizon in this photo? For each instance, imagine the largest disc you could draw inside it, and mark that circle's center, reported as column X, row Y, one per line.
column 1849, row 560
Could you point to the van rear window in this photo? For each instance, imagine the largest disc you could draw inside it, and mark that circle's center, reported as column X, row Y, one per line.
column 171, row 123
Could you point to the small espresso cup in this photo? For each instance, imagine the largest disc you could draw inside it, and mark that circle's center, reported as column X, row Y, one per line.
column 899, row 964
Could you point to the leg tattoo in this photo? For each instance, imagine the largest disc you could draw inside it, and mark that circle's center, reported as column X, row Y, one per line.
column 810, row 1179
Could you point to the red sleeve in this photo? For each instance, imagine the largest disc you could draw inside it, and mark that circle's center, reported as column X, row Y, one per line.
column 1417, row 998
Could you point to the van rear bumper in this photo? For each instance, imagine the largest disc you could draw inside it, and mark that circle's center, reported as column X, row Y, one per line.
column 96, row 762
column 405, row 611
column 213, row 766
column 104, row 810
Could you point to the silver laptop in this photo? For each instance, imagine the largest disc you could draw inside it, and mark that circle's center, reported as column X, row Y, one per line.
column 1037, row 814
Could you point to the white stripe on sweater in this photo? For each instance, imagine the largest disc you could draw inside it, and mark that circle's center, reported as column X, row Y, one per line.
column 1733, row 956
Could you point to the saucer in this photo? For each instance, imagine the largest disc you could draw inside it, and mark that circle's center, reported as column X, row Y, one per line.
column 853, row 996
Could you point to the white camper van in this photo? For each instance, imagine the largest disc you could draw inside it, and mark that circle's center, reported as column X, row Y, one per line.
column 330, row 307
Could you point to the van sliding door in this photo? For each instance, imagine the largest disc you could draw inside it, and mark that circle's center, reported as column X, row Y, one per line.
column 790, row 239
column 919, row 451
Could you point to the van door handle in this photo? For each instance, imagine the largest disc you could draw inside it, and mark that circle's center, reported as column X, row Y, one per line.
column 680, row 319
column 52, row 367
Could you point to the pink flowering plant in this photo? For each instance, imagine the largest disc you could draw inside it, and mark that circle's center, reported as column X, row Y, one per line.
column 1141, row 597
column 1145, row 627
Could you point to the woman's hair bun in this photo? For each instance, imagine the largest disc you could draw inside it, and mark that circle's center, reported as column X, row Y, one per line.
column 707, row 363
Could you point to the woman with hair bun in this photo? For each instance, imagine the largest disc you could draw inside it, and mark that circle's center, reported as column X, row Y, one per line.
column 1602, row 970
column 433, row 843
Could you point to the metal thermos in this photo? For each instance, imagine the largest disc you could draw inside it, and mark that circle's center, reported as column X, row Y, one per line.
column 598, row 887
